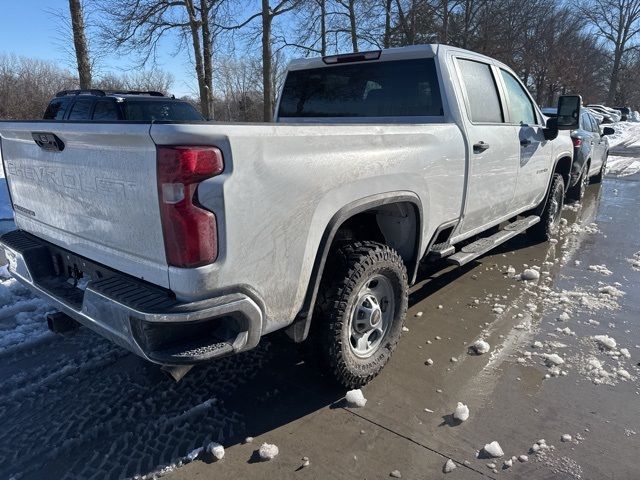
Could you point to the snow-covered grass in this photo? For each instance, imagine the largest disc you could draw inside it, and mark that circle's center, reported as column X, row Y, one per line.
column 627, row 135
column 622, row 166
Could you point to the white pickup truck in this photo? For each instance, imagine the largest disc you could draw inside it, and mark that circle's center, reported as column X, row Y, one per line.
column 184, row 242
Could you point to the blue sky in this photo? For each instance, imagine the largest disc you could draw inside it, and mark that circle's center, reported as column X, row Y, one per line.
column 28, row 29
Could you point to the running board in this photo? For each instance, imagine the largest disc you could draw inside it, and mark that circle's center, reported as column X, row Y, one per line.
column 483, row 245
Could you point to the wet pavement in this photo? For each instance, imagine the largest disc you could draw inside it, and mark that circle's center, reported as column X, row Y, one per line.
column 76, row 406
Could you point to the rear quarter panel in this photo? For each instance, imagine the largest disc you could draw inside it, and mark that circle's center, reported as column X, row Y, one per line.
column 282, row 184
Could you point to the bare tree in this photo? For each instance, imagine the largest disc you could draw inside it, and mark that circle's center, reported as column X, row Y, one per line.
column 80, row 43
column 138, row 26
column 617, row 22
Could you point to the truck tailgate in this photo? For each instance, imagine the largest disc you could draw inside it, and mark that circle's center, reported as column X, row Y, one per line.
column 95, row 193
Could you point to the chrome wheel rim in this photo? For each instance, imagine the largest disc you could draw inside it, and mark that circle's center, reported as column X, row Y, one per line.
column 555, row 210
column 371, row 316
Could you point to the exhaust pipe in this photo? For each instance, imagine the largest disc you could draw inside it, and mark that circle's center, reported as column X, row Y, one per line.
column 176, row 372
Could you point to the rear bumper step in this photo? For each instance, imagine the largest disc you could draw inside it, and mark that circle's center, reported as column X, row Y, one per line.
column 135, row 314
column 483, row 245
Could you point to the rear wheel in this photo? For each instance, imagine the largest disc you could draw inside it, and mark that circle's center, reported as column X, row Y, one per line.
column 576, row 193
column 550, row 217
column 361, row 311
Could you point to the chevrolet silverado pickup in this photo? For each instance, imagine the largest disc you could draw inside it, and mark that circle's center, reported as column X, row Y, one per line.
column 188, row 241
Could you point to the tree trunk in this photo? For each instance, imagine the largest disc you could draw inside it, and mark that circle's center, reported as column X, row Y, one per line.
column 615, row 71
column 80, row 44
column 323, row 27
column 197, row 53
column 207, row 54
column 352, row 24
column 387, row 24
column 444, row 37
column 266, row 61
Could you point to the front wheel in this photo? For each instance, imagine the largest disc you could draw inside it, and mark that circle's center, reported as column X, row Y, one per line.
column 550, row 217
column 360, row 316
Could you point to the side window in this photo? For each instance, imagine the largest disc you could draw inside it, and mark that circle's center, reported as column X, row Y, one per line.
column 478, row 81
column 520, row 108
column 56, row 109
column 80, row 110
column 105, row 110
column 585, row 122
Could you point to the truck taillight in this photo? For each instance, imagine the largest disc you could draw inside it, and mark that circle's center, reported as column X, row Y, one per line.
column 577, row 142
column 190, row 232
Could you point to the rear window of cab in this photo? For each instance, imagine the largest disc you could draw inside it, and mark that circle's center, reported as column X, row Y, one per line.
column 399, row 88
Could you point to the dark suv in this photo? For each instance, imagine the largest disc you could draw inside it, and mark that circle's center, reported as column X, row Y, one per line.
column 101, row 106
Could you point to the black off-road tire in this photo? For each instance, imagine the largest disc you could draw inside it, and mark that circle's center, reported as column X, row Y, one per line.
column 550, row 217
column 576, row 193
column 603, row 169
column 352, row 266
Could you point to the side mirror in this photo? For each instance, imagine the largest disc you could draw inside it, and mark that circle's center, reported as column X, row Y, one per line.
column 608, row 131
column 551, row 129
column 569, row 112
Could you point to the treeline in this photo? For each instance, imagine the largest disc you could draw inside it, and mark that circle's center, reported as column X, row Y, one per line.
column 239, row 48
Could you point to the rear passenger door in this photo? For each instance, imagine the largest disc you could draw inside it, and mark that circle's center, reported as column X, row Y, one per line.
column 493, row 148
column 535, row 152
column 81, row 109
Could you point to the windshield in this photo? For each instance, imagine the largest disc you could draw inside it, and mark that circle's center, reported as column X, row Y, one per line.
column 146, row 111
column 379, row 89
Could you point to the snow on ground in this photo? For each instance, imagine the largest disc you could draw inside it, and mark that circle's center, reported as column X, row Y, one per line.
column 622, row 166
column 627, row 135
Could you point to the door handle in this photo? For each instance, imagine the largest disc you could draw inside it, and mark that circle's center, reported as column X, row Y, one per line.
column 480, row 147
column 524, row 143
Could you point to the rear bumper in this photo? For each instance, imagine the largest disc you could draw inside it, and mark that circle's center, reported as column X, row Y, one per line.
column 141, row 317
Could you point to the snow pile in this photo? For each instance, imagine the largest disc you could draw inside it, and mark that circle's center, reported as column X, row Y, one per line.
column 268, row 451
column 461, row 412
column 493, row 449
column 449, row 466
column 565, row 437
column 619, row 166
column 480, row 347
column 355, row 398
column 216, row 450
column 635, row 261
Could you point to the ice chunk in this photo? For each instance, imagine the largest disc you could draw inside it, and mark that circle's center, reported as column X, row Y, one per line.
column 193, row 454
column 395, row 474
column 216, row 450
column 429, row 362
column 248, row 440
column 537, row 344
column 530, row 274
column 605, row 341
column 508, row 463
column 600, row 269
column 449, row 466
column 612, row 291
column 461, row 412
column 268, row 451
column 493, row 449
column 419, row 314
column 305, row 462
column 624, row 374
column 480, row 347
column 405, row 329
column 625, row 353
column 565, row 437
column 553, row 359
column 523, row 458
column 355, row 398
column 564, row 317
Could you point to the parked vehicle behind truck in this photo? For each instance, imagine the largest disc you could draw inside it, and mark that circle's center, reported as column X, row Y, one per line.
column 590, row 152
column 184, row 242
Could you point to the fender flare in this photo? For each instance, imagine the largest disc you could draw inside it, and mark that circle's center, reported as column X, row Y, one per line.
column 299, row 329
column 540, row 208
